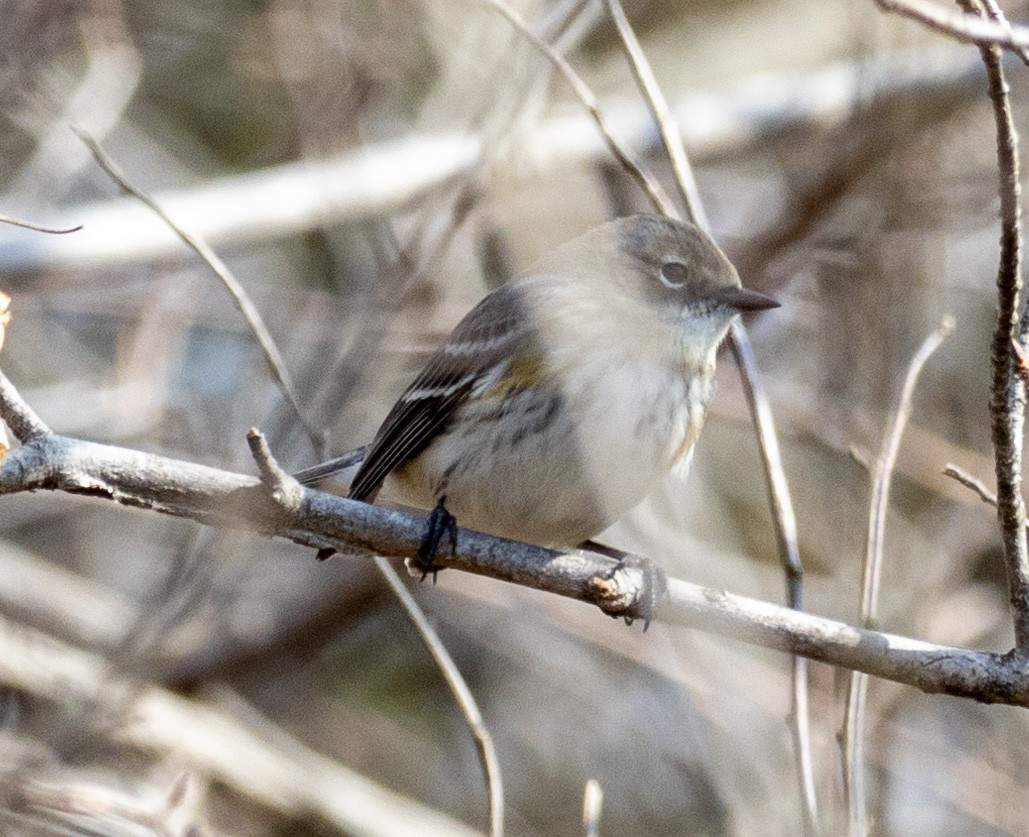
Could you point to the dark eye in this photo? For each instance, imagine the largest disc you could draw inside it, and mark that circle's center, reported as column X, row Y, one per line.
column 673, row 274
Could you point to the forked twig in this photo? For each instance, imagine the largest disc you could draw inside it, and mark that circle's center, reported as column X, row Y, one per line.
column 272, row 356
column 882, row 473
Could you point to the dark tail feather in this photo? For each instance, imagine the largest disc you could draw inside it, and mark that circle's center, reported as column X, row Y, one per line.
column 317, row 473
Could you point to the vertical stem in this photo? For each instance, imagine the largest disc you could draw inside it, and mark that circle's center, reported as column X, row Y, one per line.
column 1008, row 396
column 882, row 473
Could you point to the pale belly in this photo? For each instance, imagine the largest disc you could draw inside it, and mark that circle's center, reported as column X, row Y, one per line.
column 526, row 472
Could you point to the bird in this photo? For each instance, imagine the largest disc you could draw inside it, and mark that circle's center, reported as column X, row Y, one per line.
column 565, row 396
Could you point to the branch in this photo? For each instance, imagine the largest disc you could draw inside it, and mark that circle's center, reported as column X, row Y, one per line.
column 314, row 518
column 462, row 694
column 935, row 669
column 968, row 28
column 1007, row 402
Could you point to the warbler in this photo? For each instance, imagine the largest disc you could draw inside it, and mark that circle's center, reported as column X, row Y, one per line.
column 568, row 394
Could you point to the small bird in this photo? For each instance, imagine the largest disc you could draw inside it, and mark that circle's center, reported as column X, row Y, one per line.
column 567, row 395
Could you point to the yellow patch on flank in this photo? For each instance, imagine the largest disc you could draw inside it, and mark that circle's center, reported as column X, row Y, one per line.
column 523, row 372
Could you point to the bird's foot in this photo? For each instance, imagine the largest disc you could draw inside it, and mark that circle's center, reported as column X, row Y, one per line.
column 632, row 588
column 440, row 523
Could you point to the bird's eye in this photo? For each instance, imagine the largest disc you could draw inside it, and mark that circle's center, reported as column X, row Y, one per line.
column 673, row 274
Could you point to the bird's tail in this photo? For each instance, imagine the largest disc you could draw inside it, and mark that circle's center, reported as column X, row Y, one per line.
column 341, row 470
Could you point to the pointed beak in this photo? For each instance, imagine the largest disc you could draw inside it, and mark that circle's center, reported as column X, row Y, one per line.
column 743, row 299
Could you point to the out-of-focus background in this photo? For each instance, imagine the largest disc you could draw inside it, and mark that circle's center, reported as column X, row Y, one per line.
column 369, row 169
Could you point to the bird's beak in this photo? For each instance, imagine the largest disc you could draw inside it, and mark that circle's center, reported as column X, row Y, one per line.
column 743, row 299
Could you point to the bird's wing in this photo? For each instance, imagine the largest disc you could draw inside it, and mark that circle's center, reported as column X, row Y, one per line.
column 475, row 355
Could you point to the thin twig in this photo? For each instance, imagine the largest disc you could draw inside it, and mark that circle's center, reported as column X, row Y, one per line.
column 288, row 493
column 785, row 523
column 671, row 134
column 592, row 806
column 272, row 356
column 28, row 225
column 654, row 190
column 959, row 474
column 459, row 689
column 969, row 28
column 882, row 474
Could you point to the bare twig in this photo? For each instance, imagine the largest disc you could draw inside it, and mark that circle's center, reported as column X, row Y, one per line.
column 785, row 523
column 996, row 14
column 273, row 358
column 654, row 190
column 882, row 474
column 1007, row 402
column 955, row 472
column 671, row 135
column 288, row 493
column 969, row 28
column 28, row 225
column 459, row 689
column 592, row 807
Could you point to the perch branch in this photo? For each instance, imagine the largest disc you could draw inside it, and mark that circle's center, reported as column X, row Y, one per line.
column 47, row 461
